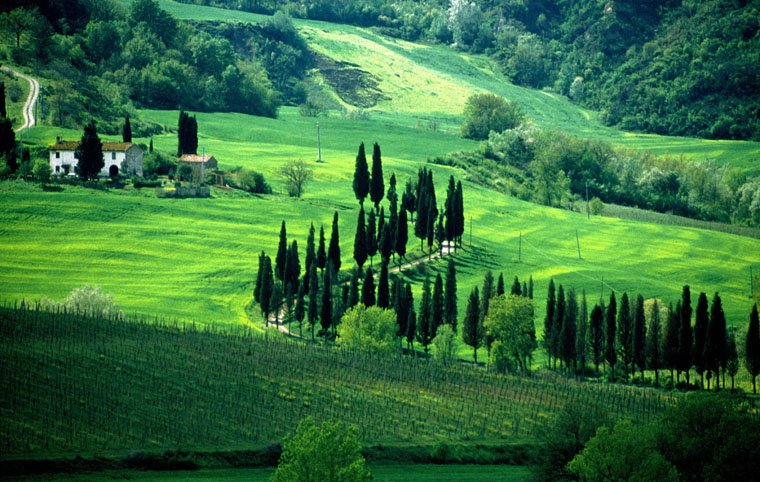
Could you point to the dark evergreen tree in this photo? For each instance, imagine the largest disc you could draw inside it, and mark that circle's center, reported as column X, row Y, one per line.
column 326, row 306
column 3, row 110
column 485, row 300
column 432, row 214
column 89, row 153
column 402, row 309
column 438, row 306
column 559, row 318
column 450, row 210
column 353, row 291
column 409, row 198
column 376, row 183
column 639, row 336
column 361, row 175
column 182, row 133
column 411, row 325
column 581, row 339
column 451, row 295
column 321, row 252
column 459, row 212
column 752, row 347
column 670, row 342
column 716, row 343
column 472, row 332
column 402, row 235
column 368, row 289
column 425, row 322
column 392, row 208
column 732, row 358
column 569, row 326
column 313, row 312
column 383, row 290
column 524, row 289
column 293, row 266
column 371, row 236
column 684, row 340
column 282, row 253
column 625, row 333
column 701, row 321
column 380, row 227
column 300, row 308
column 360, row 240
column 150, row 146
column 275, row 302
column 311, row 258
column 192, row 136
column 126, row 130
column 516, row 287
column 551, row 306
column 333, row 252
column 267, row 287
column 425, row 203
column 500, row 290
column 654, row 342
column 440, row 233
column 596, row 336
column 610, row 353
column 530, row 287
column 387, row 240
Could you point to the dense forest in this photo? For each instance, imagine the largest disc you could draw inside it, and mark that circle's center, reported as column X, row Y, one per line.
column 105, row 61
column 670, row 67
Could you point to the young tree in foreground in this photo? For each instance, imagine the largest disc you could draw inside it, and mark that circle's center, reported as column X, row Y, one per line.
column 510, row 323
column 89, row 153
column 472, row 333
column 752, row 351
column 369, row 329
column 330, row 451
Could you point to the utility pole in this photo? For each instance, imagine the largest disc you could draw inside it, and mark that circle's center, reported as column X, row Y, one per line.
column 470, row 230
column 578, row 242
column 588, row 211
column 751, row 283
column 319, row 145
column 519, row 249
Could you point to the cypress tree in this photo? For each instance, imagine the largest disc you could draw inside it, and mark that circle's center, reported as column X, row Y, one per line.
column 411, row 325
column 353, row 291
column 524, row 289
column 732, row 359
column 402, row 309
column 192, row 135
column 450, row 210
column 301, row 308
column 402, row 235
column 326, row 307
column 181, row 133
column 361, row 175
column 333, row 252
column 259, row 276
column 386, row 243
column 559, row 318
column 377, row 186
column 551, row 305
column 639, row 335
column 89, row 153
column 360, row 240
column 150, row 146
column 126, row 130
column 313, row 312
column 625, row 333
column 368, row 289
column 440, row 233
column 275, row 302
column 3, row 110
column 701, row 321
column 670, row 342
column 685, row 341
column 653, row 352
column 321, row 252
column 409, row 198
column 516, row 287
column 432, row 214
column 472, row 333
column 596, row 336
column 530, row 287
column 500, row 285
column 752, row 351
column 581, row 340
column 610, row 354
column 383, row 291
column 459, row 212
column 716, row 343
column 451, row 295
column 311, row 258
column 438, row 306
column 423, row 204
column 267, row 287
column 380, row 227
column 293, row 271
column 371, row 236
column 282, row 253
column 392, row 208
column 425, row 322
column 485, row 300
column 569, row 326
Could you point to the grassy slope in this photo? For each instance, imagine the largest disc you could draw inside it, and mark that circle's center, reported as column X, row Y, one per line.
column 434, row 81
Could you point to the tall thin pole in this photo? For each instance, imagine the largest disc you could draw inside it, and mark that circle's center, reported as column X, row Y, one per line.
column 519, row 249
column 751, row 283
column 578, row 242
column 588, row 211
column 203, row 160
column 470, row 230
column 319, row 145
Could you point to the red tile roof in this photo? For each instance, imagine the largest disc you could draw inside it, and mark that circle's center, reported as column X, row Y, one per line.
column 107, row 146
column 195, row 158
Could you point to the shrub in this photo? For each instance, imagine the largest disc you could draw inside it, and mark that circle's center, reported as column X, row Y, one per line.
column 253, row 182
column 370, row 328
column 489, row 112
column 445, row 345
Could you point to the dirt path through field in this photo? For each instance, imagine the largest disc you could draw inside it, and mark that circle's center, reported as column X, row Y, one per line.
column 31, row 99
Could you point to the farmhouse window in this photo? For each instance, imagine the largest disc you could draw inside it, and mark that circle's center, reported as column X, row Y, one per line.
column 113, row 155
column 57, row 155
column 57, row 169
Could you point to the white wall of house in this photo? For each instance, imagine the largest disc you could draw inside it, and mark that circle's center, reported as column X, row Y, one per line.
column 63, row 162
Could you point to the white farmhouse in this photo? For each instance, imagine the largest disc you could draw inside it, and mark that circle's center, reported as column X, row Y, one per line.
column 120, row 158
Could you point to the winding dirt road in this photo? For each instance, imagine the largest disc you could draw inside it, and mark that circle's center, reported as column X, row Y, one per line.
column 31, row 99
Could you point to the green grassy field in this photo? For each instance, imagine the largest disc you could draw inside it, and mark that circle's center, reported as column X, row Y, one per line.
column 195, row 259
column 424, row 82
column 380, row 473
